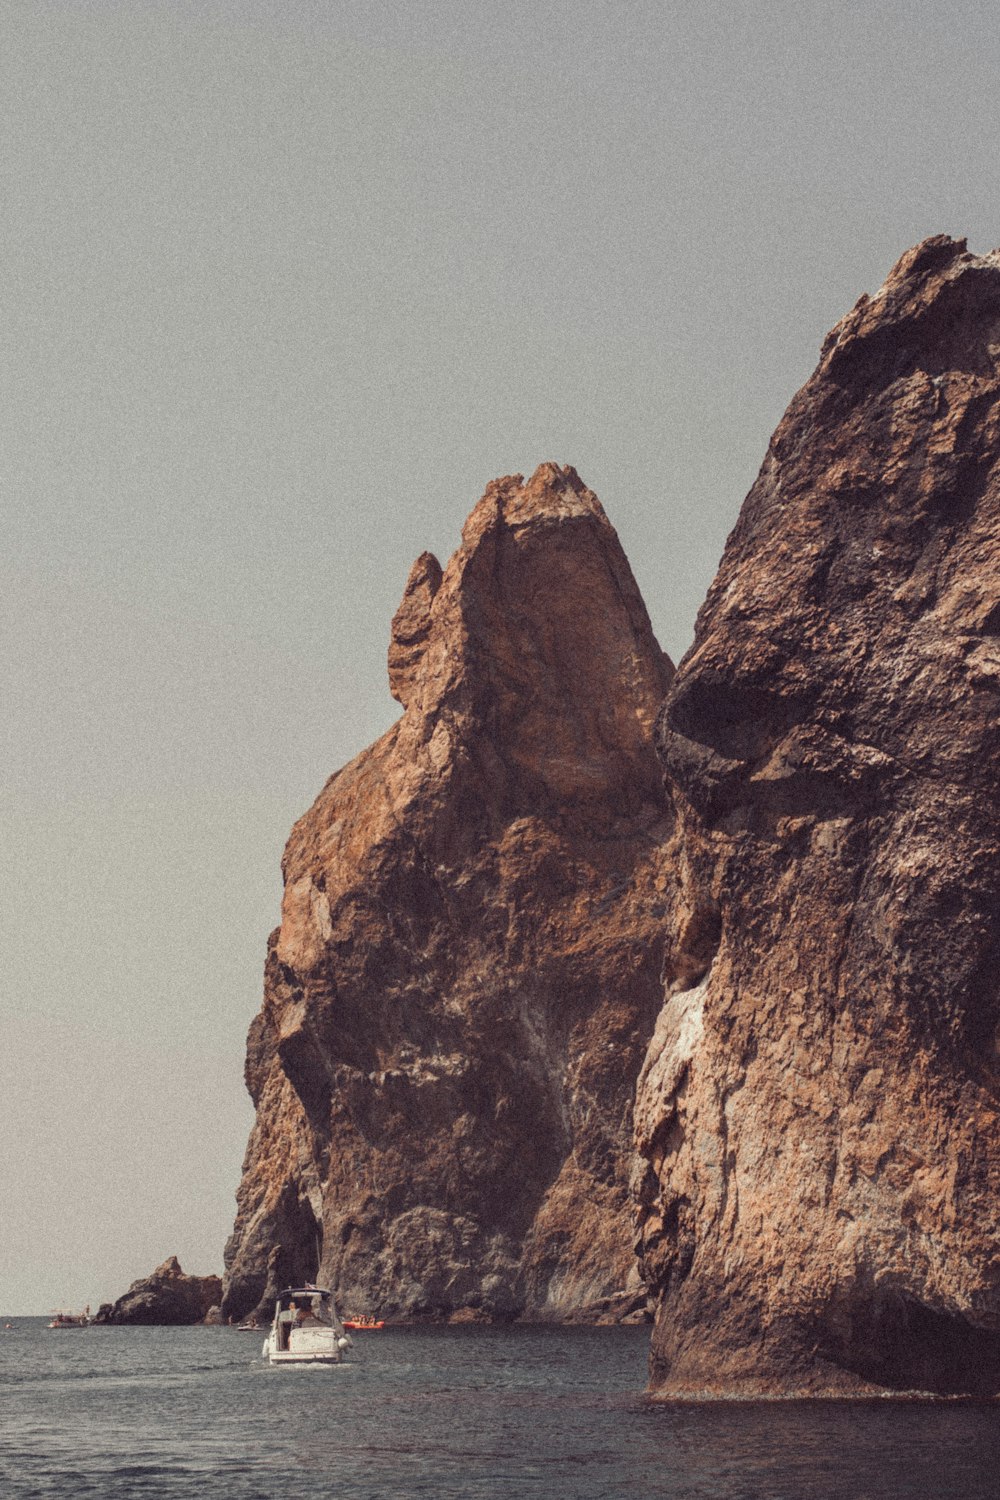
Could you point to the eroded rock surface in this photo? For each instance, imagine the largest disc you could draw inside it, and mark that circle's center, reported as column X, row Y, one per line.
column 818, row 1109
column 467, row 970
column 167, row 1296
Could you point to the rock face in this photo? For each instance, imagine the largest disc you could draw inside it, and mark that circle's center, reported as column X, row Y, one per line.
column 818, row 1111
column 167, row 1296
column 467, row 970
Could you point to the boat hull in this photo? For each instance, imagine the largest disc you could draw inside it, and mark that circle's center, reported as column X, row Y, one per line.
column 326, row 1351
column 302, row 1359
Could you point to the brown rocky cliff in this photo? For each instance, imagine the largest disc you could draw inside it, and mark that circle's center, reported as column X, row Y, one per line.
column 166, row 1297
column 467, row 969
column 818, row 1111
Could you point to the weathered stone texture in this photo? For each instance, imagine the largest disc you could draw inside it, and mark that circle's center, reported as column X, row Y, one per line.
column 467, row 969
column 818, row 1110
column 167, row 1296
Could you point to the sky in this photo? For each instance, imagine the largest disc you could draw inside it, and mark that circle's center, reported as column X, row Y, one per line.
column 284, row 286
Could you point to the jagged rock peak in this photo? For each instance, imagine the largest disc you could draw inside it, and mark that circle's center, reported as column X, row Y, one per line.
column 467, row 968
column 554, row 516
column 819, row 1110
column 537, row 602
column 167, row 1296
column 553, row 493
column 411, row 625
column 937, row 307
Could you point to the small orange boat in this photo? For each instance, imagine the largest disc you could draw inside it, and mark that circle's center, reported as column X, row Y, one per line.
column 364, row 1323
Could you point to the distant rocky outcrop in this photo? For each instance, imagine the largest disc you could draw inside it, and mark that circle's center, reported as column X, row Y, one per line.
column 819, row 1109
column 167, row 1296
column 467, row 970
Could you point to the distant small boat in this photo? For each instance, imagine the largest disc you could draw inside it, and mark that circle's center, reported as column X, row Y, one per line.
column 248, row 1328
column 70, row 1320
column 306, row 1329
column 364, row 1322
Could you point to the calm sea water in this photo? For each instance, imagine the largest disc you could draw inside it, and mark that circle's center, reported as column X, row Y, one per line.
column 450, row 1412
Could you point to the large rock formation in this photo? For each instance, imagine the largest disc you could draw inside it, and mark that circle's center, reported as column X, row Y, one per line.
column 818, row 1110
column 166, row 1296
column 466, row 974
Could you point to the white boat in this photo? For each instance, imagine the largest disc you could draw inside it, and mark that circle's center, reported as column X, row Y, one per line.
column 306, row 1329
column 70, row 1320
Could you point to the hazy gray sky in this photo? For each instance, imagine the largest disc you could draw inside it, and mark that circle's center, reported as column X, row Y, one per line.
column 284, row 286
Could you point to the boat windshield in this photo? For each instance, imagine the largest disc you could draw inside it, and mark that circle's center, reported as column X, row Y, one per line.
column 306, row 1308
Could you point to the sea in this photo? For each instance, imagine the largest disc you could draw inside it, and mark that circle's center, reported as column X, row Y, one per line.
column 499, row 1413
